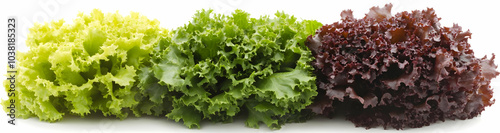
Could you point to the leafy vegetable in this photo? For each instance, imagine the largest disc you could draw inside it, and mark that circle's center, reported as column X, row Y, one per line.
column 393, row 71
column 219, row 66
column 399, row 71
column 88, row 66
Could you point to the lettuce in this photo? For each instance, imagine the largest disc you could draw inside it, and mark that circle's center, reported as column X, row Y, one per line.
column 88, row 66
column 218, row 66
column 399, row 71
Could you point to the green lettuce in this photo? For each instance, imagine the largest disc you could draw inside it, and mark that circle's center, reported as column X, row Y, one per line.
column 217, row 66
column 88, row 66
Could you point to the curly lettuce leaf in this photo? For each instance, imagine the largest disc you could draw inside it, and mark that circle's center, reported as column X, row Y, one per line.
column 219, row 66
column 88, row 66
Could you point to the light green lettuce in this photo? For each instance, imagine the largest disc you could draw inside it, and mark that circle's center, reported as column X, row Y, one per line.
column 88, row 66
column 216, row 67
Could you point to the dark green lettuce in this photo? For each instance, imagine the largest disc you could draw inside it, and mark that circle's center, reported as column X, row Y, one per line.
column 216, row 67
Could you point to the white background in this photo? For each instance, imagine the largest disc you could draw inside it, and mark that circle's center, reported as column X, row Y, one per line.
column 480, row 17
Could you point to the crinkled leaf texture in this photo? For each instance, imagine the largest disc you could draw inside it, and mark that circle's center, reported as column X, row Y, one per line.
column 90, row 65
column 218, row 66
column 399, row 71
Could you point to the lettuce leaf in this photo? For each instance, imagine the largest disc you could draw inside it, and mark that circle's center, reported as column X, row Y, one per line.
column 217, row 66
column 399, row 71
column 88, row 66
